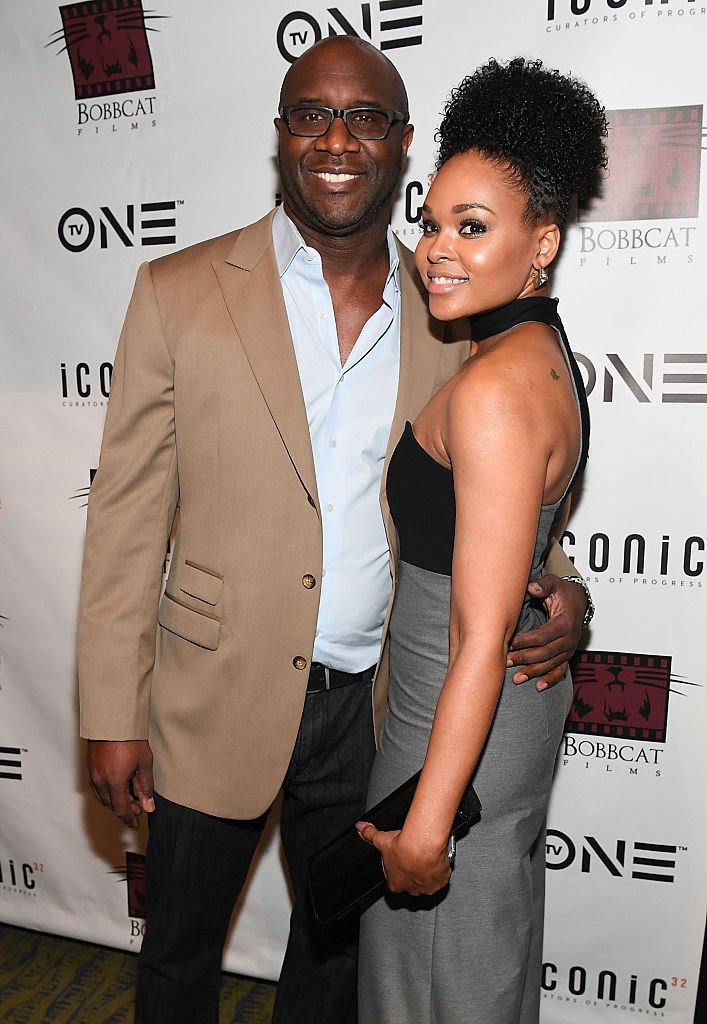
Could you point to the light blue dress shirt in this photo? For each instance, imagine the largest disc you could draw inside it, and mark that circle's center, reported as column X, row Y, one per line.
column 349, row 410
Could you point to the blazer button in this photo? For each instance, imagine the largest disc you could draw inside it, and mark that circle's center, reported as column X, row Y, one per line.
column 309, row 581
column 299, row 662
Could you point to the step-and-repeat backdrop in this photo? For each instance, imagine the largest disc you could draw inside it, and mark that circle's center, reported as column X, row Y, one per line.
column 130, row 131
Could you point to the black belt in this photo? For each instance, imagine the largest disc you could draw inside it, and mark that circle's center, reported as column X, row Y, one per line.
column 323, row 678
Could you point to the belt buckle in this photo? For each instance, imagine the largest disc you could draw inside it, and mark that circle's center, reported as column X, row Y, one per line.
column 323, row 681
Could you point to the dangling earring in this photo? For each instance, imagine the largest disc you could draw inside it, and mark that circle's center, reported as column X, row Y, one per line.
column 541, row 278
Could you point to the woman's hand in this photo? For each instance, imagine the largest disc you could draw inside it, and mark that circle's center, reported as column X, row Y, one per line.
column 413, row 867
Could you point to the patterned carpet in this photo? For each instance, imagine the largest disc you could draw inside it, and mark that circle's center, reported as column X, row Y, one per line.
column 48, row 980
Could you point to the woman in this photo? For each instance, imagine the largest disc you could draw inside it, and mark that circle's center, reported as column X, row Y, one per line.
column 476, row 486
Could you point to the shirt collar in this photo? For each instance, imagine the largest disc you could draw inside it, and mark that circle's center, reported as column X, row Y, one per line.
column 288, row 242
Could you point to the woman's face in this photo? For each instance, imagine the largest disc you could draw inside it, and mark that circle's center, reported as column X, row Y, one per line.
column 476, row 251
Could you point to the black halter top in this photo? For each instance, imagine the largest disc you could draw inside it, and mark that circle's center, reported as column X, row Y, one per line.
column 421, row 491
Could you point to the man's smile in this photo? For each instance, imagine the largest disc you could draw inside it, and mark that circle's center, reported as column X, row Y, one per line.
column 334, row 178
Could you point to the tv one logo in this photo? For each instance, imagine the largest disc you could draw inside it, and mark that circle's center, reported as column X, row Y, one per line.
column 10, row 760
column 650, row 862
column 673, row 378
column 388, row 24
column 155, row 224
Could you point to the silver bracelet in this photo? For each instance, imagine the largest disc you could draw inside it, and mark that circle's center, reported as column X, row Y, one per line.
column 589, row 614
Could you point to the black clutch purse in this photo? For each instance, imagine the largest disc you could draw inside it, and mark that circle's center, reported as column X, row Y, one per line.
column 348, row 870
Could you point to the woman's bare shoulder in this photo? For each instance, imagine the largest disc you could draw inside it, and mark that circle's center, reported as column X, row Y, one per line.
column 513, row 382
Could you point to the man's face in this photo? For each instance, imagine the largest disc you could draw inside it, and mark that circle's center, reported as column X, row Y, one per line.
column 337, row 185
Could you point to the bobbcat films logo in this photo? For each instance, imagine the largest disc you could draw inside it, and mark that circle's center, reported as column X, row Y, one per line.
column 654, row 165
column 619, row 714
column 80, row 495
column 624, row 696
column 107, row 45
column 133, row 874
column 653, row 176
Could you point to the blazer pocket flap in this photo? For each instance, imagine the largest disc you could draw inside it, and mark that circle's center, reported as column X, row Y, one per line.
column 188, row 623
column 200, row 583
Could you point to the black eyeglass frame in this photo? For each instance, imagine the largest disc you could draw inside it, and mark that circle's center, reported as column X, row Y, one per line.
column 392, row 116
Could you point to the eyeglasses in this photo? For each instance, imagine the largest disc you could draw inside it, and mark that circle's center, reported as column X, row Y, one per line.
column 368, row 124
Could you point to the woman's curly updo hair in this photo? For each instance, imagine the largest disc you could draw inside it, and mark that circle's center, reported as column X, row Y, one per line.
column 546, row 129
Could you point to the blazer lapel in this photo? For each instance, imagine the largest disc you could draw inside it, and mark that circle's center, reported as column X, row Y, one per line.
column 250, row 284
column 420, row 348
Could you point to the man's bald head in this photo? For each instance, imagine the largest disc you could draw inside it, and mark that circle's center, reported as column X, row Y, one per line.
column 327, row 52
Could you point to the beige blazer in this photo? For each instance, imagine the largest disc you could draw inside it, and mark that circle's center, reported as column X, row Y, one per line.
column 206, row 411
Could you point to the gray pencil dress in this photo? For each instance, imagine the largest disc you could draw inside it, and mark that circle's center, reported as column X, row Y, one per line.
column 472, row 953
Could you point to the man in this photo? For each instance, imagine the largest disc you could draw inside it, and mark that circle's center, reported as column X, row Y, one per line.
column 255, row 385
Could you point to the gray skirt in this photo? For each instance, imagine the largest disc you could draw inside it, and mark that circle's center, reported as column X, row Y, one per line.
column 473, row 952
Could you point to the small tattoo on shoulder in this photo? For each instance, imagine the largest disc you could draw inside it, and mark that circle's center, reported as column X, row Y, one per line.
column 554, row 374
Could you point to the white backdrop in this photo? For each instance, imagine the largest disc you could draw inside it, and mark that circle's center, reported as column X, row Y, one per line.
column 168, row 139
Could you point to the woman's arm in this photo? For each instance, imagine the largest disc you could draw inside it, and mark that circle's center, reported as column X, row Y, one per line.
column 500, row 449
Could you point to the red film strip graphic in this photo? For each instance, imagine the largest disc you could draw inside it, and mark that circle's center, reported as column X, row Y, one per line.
column 654, row 165
column 621, row 695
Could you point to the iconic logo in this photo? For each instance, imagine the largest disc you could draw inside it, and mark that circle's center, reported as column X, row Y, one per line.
column 639, row 556
column 578, row 8
column 652, row 862
column 77, row 227
column 397, row 23
column 604, row 985
column 19, row 877
column 106, row 41
column 80, row 382
column 134, row 874
column 654, row 168
column 10, row 763
column 620, row 695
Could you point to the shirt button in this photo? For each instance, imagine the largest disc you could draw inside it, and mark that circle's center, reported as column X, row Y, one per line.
column 308, row 581
column 330, row 507
column 308, row 257
column 332, row 443
column 299, row 662
column 323, row 315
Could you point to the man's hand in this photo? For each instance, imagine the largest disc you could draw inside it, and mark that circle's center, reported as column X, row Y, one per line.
column 120, row 773
column 544, row 653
